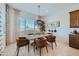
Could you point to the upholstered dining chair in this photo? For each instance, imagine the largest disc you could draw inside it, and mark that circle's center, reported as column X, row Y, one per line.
column 22, row 41
column 51, row 39
column 41, row 43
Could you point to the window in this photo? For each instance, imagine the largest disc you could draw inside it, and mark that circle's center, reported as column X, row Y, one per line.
column 29, row 24
column 26, row 24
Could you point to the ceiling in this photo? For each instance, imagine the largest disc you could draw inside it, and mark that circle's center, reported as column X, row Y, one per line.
column 45, row 8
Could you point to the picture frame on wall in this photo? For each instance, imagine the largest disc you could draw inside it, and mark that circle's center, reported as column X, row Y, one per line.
column 58, row 24
column 55, row 24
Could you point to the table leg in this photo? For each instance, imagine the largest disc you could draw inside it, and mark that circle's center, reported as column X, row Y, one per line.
column 34, row 45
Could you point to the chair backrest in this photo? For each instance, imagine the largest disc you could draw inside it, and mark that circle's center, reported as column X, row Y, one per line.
column 51, row 38
column 18, row 42
column 41, row 38
column 41, row 42
column 22, row 37
column 22, row 41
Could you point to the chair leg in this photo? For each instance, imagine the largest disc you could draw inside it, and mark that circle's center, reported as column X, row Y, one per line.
column 28, row 48
column 47, row 49
column 55, row 43
column 52, row 45
column 34, row 45
column 17, row 51
column 40, row 51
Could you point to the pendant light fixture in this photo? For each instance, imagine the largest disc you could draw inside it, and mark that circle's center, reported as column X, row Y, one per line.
column 40, row 22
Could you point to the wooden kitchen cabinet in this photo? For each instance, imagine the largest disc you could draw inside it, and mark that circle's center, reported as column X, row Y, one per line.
column 74, row 19
column 74, row 40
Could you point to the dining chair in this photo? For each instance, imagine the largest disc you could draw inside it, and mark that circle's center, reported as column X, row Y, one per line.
column 22, row 41
column 51, row 39
column 41, row 43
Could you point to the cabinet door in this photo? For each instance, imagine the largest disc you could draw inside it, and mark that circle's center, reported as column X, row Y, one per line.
column 74, row 41
column 74, row 16
column 78, row 19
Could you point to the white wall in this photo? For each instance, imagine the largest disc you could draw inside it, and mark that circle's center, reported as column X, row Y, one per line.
column 63, row 16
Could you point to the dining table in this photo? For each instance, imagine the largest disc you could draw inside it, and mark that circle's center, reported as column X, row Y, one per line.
column 34, row 37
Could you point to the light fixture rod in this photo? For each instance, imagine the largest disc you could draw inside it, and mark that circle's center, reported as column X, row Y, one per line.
column 39, row 10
